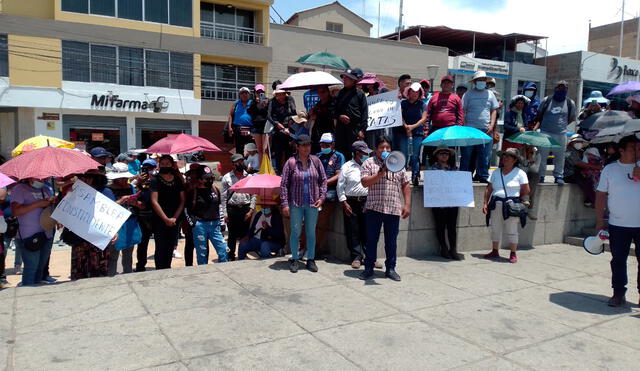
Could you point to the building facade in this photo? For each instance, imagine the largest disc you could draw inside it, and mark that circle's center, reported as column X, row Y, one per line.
column 333, row 17
column 605, row 39
column 124, row 73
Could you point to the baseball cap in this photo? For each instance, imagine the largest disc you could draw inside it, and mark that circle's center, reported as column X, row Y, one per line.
column 123, row 157
column 303, row 139
column 99, row 152
column 259, row 87
column 204, row 172
column 150, row 162
column 446, row 78
column 562, row 82
column 479, row 75
column 236, row 157
column 353, row 73
column 326, row 138
column 425, row 81
column 360, row 146
column 245, row 89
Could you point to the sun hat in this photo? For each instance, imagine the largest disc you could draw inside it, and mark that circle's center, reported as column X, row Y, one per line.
column 119, row 170
column 278, row 91
column 326, row 138
column 249, row 147
column 513, row 152
column 123, row 157
column 520, row 97
column 479, row 75
column 244, row 89
column 300, row 118
column 415, row 87
column 444, row 149
column 597, row 96
column 576, row 138
column 236, row 157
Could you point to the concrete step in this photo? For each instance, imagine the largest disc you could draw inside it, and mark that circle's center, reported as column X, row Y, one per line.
column 578, row 241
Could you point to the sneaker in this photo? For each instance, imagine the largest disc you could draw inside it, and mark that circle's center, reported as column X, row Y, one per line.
column 366, row 274
column 616, row 301
column 513, row 258
column 559, row 181
column 494, row 254
column 391, row 274
column 49, row 279
column 377, row 265
column 293, row 266
column 176, row 254
column 356, row 264
column 311, row 266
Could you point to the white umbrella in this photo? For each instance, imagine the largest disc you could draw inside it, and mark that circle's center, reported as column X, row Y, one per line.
column 307, row 80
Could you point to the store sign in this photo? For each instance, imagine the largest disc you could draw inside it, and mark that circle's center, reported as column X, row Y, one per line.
column 97, row 137
column 49, row 116
column 114, row 102
column 478, row 64
column 618, row 69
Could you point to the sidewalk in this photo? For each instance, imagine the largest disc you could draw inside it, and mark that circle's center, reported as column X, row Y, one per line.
column 546, row 312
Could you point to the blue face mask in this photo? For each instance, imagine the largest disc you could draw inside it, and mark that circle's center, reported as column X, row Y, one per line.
column 385, row 154
column 37, row 185
column 266, row 211
column 325, row 151
column 559, row 95
column 481, row 85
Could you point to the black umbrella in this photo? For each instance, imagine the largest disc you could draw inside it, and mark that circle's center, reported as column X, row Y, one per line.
column 602, row 120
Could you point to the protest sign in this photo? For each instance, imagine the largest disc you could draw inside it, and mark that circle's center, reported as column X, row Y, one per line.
column 90, row 214
column 447, row 189
column 384, row 111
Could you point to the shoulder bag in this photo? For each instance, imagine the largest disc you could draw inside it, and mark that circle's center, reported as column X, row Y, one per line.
column 514, row 205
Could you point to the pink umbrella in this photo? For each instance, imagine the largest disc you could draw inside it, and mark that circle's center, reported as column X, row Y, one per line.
column 371, row 78
column 181, row 143
column 263, row 185
column 5, row 180
column 48, row 162
column 308, row 80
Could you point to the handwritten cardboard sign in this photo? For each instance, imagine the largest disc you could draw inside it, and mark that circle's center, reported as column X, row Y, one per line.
column 384, row 111
column 448, row 189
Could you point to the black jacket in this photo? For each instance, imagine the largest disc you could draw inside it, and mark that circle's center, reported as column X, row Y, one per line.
column 275, row 233
column 353, row 103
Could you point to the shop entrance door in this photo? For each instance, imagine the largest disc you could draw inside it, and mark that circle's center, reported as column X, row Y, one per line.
column 96, row 131
column 149, row 131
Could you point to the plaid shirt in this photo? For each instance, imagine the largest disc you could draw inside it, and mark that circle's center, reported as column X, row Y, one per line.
column 292, row 185
column 385, row 196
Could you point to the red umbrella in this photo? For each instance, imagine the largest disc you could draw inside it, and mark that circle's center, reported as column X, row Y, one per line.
column 263, row 185
column 181, row 143
column 48, row 162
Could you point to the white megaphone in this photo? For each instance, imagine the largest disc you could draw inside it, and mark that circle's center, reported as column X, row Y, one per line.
column 394, row 161
column 594, row 245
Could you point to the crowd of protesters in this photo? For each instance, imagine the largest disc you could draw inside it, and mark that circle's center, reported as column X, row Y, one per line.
column 328, row 159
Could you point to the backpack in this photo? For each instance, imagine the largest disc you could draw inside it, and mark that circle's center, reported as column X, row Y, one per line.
column 546, row 103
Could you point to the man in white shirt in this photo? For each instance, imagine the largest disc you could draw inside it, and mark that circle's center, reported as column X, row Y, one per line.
column 619, row 191
column 353, row 196
column 253, row 161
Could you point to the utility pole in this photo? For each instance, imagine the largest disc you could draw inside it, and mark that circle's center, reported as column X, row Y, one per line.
column 378, row 19
column 621, row 30
column 400, row 21
column 637, row 34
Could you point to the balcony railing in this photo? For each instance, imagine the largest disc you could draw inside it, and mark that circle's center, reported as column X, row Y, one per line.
column 223, row 93
column 230, row 33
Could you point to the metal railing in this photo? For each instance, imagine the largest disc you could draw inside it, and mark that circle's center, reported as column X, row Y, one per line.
column 210, row 91
column 230, row 33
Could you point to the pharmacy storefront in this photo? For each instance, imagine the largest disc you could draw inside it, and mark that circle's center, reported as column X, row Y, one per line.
column 116, row 117
column 603, row 72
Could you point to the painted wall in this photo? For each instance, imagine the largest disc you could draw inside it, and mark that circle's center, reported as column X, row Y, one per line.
column 34, row 9
column 524, row 72
column 34, row 61
column 317, row 20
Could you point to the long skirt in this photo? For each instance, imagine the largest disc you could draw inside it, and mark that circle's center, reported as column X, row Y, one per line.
column 89, row 261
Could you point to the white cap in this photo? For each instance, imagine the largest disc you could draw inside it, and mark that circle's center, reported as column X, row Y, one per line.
column 479, row 75
column 326, row 138
column 119, row 170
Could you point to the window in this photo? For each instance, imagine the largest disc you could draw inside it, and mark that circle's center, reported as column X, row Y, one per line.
column 222, row 82
column 174, row 12
column 4, row 56
column 130, row 9
column 75, row 61
column 157, row 68
column 77, row 6
column 181, row 71
column 292, row 70
column 228, row 23
column 102, row 7
column 180, row 12
column 156, row 11
column 335, row 27
column 131, row 66
column 125, row 65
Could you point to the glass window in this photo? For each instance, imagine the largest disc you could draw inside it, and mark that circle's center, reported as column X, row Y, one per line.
column 335, row 27
column 103, row 64
column 4, row 56
column 131, row 64
column 130, row 9
column 244, row 18
column 180, row 12
column 75, row 61
column 157, row 68
column 102, row 7
column 222, row 82
column 181, row 71
column 225, row 15
column 156, row 11
column 78, row 6
column 206, row 12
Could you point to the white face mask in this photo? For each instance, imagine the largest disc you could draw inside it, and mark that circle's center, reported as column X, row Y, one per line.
column 481, row 85
column 528, row 93
column 578, row 146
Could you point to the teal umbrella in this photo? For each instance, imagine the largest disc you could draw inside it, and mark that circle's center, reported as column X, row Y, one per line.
column 533, row 138
column 456, row 136
column 324, row 60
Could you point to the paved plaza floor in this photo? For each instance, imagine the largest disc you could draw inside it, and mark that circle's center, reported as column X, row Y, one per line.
column 547, row 312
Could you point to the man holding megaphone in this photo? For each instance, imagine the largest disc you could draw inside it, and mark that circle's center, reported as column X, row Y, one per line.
column 389, row 199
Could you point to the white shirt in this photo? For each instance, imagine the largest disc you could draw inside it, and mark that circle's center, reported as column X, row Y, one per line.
column 513, row 181
column 349, row 183
column 623, row 195
column 253, row 162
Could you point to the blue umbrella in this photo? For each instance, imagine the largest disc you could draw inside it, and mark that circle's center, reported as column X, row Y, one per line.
column 456, row 136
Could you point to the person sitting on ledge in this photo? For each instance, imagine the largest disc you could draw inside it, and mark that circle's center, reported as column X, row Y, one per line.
column 266, row 234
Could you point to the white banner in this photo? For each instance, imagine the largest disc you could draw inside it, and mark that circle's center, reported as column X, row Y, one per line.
column 447, row 188
column 90, row 214
column 384, row 111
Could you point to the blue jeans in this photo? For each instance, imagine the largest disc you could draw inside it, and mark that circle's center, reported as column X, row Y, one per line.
column 310, row 216
column 209, row 231
column 255, row 244
column 620, row 240
column 17, row 262
column 483, row 157
column 416, row 146
column 34, row 262
column 375, row 220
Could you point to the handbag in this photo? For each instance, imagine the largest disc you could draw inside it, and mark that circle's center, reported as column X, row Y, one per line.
column 12, row 226
column 35, row 242
column 514, row 207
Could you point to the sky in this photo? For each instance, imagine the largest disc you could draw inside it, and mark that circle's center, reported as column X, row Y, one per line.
column 564, row 22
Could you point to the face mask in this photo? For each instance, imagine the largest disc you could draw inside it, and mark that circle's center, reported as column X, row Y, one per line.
column 165, row 170
column 528, row 93
column 578, row 146
column 559, row 95
column 37, row 185
column 325, row 151
column 364, row 158
column 481, row 85
column 266, row 211
column 240, row 167
column 385, row 154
